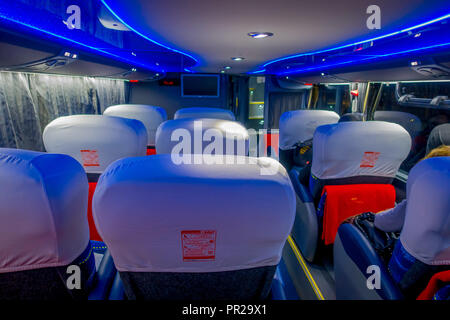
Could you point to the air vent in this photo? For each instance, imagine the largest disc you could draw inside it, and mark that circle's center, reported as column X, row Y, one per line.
column 433, row 71
column 46, row 64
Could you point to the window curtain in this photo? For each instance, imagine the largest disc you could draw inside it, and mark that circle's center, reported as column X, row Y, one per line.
column 280, row 102
column 28, row 102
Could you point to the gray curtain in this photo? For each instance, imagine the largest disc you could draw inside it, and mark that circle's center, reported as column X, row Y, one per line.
column 280, row 102
column 28, row 102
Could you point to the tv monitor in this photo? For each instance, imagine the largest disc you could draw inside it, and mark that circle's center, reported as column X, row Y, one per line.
column 200, row 86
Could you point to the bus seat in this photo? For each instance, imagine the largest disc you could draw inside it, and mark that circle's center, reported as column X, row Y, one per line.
column 348, row 155
column 203, row 112
column 297, row 127
column 150, row 116
column 356, row 116
column 43, row 228
column 424, row 238
column 202, row 136
column 214, row 232
column 95, row 141
column 440, row 135
column 438, row 288
column 407, row 120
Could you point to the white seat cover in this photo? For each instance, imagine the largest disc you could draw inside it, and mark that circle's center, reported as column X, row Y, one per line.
column 426, row 230
column 150, row 116
column 43, row 205
column 409, row 121
column 212, row 113
column 360, row 148
column 156, row 216
column 95, row 140
column 299, row 125
column 200, row 134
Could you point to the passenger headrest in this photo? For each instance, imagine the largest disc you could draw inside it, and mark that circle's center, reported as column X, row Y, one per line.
column 357, row 116
column 43, row 205
column 428, row 210
column 440, row 135
column 202, row 136
column 359, row 148
column 150, row 116
column 212, row 113
column 94, row 140
column 410, row 122
column 203, row 218
column 299, row 125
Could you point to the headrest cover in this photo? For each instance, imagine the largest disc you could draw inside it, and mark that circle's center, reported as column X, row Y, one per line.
column 94, row 140
column 410, row 122
column 211, row 113
column 43, row 205
column 202, row 136
column 426, row 230
column 150, row 116
column 357, row 116
column 203, row 218
column 299, row 125
column 440, row 135
column 359, row 148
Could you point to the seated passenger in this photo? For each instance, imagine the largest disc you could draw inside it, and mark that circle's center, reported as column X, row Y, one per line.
column 392, row 220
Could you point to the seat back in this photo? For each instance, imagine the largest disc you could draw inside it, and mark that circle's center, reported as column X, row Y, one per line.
column 203, row 112
column 201, row 237
column 202, row 136
column 150, row 116
column 440, row 135
column 407, row 120
column 360, row 152
column 356, row 116
column 43, row 226
column 297, row 127
column 95, row 141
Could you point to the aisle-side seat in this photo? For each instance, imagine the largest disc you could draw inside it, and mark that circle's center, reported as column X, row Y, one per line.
column 214, row 231
column 353, row 166
column 44, row 232
column 95, row 141
column 150, row 116
column 203, row 112
column 202, row 136
column 297, row 127
column 426, row 217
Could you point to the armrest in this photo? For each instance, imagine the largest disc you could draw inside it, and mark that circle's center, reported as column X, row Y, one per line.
column 301, row 190
column 105, row 276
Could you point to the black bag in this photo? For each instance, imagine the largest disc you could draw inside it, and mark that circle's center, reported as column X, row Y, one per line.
column 382, row 242
column 303, row 153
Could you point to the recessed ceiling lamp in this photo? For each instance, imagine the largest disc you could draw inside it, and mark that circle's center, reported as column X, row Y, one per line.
column 237, row 58
column 260, row 35
column 227, row 68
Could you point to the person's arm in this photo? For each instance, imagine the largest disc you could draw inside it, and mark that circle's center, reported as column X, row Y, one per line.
column 391, row 220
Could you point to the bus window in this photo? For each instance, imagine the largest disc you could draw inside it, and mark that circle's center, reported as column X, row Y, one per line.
column 334, row 98
column 419, row 121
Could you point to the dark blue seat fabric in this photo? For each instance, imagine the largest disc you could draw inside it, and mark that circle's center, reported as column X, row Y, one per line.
column 357, row 116
column 410, row 274
column 50, row 283
column 353, row 254
column 443, row 293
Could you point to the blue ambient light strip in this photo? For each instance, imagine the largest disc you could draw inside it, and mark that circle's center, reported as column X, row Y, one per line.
column 264, row 67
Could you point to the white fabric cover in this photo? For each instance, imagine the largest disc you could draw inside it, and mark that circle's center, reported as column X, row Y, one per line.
column 95, row 140
column 211, row 113
column 142, row 206
column 200, row 135
column 150, row 116
column 426, row 230
column 409, row 121
column 360, row 148
column 43, row 205
column 299, row 125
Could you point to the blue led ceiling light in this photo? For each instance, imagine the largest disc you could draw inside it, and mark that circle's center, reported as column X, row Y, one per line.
column 433, row 34
column 38, row 21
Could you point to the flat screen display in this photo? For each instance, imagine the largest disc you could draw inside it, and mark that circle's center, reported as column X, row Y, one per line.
column 200, row 86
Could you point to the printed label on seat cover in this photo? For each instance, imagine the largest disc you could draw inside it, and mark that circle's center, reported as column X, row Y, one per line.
column 198, row 245
column 90, row 158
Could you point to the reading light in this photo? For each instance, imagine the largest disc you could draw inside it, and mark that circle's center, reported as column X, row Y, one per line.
column 227, row 68
column 414, row 63
column 223, row 71
column 237, row 58
column 260, row 35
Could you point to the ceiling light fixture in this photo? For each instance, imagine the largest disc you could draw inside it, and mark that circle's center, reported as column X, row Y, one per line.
column 260, row 35
column 227, row 68
column 238, row 58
